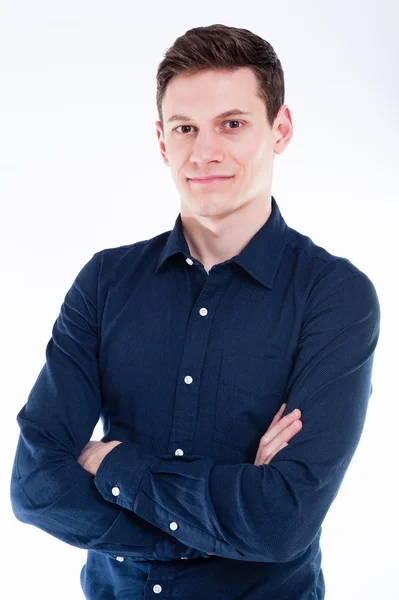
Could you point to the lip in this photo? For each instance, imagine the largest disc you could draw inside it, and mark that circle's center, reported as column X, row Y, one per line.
column 209, row 180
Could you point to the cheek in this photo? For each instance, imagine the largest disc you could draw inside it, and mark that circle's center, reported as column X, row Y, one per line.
column 249, row 155
column 178, row 163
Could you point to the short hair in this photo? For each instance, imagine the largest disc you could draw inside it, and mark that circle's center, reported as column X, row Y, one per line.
column 226, row 48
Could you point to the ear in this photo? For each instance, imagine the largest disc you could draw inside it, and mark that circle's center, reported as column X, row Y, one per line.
column 161, row 141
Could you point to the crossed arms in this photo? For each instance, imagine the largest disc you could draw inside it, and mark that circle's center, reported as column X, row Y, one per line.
column 134, row 504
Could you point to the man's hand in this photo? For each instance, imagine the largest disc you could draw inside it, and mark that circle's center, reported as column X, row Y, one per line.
column 275, row 438
column 93, row 453
column 277, row 435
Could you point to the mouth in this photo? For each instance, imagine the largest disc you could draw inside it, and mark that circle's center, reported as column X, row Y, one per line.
column 210, row 180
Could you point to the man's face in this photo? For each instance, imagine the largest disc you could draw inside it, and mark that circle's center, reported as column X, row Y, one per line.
column 239, row 146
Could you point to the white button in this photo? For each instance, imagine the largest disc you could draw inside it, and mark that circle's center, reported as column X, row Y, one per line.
column 157, row 588
column 188, row 379
column 189, row 261
column 116, row 491
column 183, row 557
column 120, row 558
column 203, row 312
column 173, row 526
column 179, row 452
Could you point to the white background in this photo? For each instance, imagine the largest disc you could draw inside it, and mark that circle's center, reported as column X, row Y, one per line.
column 80, row 170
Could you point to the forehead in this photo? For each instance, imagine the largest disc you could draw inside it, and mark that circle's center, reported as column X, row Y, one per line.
column 211, row 91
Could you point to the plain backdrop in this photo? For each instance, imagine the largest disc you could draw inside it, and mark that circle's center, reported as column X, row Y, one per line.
column 80, row 170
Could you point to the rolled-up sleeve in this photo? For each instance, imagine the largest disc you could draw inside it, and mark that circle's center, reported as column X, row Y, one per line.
column 269, row 513
column 49, row 488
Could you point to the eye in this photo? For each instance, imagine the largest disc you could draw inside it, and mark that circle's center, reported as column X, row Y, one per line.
column 233, row 121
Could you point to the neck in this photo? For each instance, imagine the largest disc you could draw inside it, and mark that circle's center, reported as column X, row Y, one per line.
column 214, row 239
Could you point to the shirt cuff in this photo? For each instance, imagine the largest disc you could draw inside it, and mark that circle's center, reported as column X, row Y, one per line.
column 120, row 472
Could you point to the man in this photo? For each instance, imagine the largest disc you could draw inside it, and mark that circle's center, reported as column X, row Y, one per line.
column 190, row 346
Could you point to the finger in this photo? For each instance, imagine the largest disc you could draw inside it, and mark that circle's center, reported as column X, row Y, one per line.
column 265, row 451
column 282, row 438
column 274, row 430
column 259, row 461
column 275, row 452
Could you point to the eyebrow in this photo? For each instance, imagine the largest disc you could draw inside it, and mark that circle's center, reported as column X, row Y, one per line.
column 227, row 113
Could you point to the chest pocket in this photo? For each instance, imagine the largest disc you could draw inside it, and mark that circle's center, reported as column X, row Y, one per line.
column 250, row 391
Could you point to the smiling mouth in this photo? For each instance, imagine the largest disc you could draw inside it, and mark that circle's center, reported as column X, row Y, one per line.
column 210, row 181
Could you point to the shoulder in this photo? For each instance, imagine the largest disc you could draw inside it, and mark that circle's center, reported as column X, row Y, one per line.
column 326, row 273
column 116, row 261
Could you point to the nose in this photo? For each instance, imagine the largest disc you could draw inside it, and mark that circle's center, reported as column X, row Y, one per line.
column 206, row 148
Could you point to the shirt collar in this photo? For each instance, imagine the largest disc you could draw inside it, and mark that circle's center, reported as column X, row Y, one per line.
column 261, row 256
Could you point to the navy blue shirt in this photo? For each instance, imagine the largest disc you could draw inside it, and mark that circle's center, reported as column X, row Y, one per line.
column 188, row 369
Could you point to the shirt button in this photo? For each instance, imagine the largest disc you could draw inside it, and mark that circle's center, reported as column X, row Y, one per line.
column 203, row 312
column 173, row 526
column 179, row 452
column 120, row 558
column 116, row 491
column 157, row 589
column 184, row 557
column 188, row 379
column 189, row 261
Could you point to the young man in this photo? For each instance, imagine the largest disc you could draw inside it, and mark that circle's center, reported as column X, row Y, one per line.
column 190, row 346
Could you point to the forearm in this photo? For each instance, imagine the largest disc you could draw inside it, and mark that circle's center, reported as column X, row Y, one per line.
column 50, row 490
column 238, row 511
column 268, row 513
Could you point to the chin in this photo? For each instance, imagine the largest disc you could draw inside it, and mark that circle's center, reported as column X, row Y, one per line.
column 210, row 210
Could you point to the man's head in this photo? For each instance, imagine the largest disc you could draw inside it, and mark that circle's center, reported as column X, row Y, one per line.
column 208, row 71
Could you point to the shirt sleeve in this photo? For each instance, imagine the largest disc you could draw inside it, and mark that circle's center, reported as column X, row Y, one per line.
column 272, row 512
column 49, row 488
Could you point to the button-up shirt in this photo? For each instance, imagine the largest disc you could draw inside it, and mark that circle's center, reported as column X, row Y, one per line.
column 188, row 369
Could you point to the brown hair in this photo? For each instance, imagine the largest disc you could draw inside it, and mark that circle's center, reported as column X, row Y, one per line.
column 223, row 47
